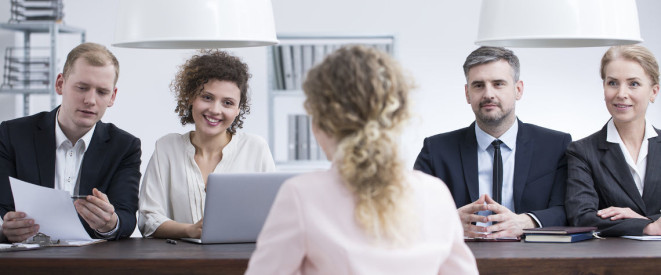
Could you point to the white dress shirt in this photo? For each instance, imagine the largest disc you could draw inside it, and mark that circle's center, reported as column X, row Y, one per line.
column 485, row 153
column 638, row 168
column 68, row 158
column 312, row 229
column 173, row 187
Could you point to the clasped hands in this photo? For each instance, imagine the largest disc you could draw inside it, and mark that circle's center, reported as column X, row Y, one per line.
column 509, row 224
column 96, row 210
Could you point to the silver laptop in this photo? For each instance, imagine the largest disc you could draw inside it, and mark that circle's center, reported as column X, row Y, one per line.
column 237, row 205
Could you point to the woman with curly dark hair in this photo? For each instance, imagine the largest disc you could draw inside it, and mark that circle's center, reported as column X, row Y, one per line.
column 212, row 92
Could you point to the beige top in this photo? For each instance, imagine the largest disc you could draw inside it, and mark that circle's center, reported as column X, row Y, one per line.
column 173, row 188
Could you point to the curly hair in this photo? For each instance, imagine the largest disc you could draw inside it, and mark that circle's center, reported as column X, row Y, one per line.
column 359, row 97
column 199, row 70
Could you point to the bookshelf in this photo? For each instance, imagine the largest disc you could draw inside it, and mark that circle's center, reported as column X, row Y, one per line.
column 291, row 140
column 31, row 70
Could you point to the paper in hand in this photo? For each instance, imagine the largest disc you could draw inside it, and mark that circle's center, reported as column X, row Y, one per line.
column 51, row 209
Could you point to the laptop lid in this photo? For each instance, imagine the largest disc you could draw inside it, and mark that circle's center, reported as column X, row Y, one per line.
column 237, row 205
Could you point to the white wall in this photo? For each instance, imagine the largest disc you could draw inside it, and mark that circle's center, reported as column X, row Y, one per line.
column 562, row 86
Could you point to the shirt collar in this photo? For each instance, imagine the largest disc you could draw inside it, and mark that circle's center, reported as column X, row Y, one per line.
column 484, row 140
column 61, row 138
column 613, row 136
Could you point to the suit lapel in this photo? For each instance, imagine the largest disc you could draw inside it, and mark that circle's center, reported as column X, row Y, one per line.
column 44, row 143
column 522, row 160
column 468, row 149
column 93, row 160
column 652, row 175
column 613, row 160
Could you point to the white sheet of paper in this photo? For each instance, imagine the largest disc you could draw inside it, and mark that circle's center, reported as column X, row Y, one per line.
column 643, row 238
column 51, row 209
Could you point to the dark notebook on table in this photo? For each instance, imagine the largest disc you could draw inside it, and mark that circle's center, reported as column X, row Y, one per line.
column 559, row 234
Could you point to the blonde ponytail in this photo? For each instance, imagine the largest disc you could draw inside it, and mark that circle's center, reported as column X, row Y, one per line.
column 359, row 97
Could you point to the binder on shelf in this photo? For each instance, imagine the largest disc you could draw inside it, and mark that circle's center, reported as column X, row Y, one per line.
column 287, row 66
column 277, row 70
column 330, row 48
column 290, row 64
column 297, row 67
column 319, row 54
column 320, row 153
column 302, row 141
column 314, row 146
column 308, row 61
column 291, row 137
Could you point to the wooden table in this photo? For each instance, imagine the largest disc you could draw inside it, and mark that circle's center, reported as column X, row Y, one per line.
column 605, row 256
column 150, row 256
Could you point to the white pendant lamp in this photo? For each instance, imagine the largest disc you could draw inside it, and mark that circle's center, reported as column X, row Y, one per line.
column 558, row 23
column 194, row 24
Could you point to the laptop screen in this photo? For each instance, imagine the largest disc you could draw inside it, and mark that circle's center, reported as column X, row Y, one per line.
column 237, row 205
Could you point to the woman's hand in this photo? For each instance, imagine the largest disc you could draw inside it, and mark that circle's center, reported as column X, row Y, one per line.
column 618, row 213
column 195, row 230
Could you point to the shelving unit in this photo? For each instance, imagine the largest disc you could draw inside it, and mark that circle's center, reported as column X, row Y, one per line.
column 292, row 142
column 53, row 29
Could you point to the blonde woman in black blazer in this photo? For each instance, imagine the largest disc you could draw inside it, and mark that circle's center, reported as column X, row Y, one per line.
column 614, row 175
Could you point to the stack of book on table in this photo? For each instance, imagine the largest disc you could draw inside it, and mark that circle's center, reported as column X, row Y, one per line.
column 558, row 234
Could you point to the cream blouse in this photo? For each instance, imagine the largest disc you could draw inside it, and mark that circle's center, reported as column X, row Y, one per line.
column 173, row 188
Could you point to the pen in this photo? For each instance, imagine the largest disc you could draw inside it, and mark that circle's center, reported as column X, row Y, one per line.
column 75, row 197
column 170, row 241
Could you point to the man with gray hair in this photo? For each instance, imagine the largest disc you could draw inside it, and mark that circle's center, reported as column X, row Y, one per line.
column 504, row 175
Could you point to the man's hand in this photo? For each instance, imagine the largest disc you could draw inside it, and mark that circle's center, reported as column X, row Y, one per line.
column 468, row 217
column 618, row 213
column 509, row 224
column 16, row 228
column 97, row 211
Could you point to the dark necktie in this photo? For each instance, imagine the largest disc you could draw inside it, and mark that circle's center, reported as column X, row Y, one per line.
column 497, row 172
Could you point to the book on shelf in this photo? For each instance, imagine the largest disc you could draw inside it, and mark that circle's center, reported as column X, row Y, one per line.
column 308, row 61
column 319, row 54
column 287, row 66
column 302, row 138
column 297, row 66
column 314, row 146
column 277, row 70
column 559, row 234
column 291, row 137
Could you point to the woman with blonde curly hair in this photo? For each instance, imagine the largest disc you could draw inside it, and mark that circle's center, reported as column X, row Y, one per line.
column 367, row 214
column 212, row 92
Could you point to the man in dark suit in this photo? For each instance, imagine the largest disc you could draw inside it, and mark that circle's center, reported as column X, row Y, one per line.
column 70, row 149
column 504, row 175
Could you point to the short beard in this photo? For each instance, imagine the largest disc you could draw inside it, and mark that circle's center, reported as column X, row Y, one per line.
column 494, row 119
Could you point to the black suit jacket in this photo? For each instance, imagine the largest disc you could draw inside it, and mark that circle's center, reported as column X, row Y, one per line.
column 111, row 164
column 540, row 169
column 599, row 177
